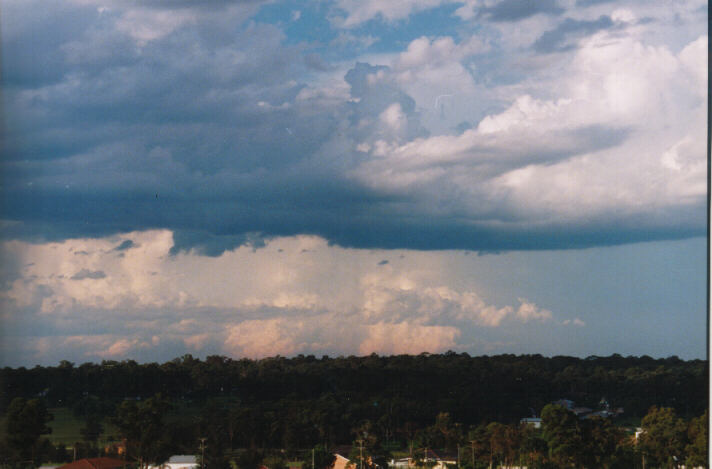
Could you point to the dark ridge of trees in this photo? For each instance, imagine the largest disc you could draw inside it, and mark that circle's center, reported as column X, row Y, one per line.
column 471, row 389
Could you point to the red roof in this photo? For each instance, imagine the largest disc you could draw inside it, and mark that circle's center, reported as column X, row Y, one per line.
column 94, row 463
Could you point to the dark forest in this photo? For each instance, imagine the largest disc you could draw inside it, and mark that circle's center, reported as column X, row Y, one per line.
column 254, row 409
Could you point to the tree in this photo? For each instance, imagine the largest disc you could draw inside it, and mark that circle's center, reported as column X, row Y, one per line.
column 323, row 459
column 249, row 459
column 92, row 429
column 143, row 428
column 533, row 448
column 663, row 438
column 600, row 439
column 561, row 433
column 697, row 435
column 26, row 423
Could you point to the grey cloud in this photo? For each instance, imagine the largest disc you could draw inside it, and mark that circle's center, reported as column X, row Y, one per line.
column 127, row 244
column 88, row 274
column 373, row 98
column 200, row 119
column 316, row 62
column 32, row 34
column 515, row 10
column 559, row 39
column 193, row 4
column 586, row 3
column 207, row 244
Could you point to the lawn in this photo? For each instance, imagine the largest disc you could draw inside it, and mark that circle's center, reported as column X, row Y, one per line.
column 65, row 427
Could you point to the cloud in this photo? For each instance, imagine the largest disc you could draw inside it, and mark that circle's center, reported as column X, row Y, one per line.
column 559, row 39
column 126, row 244
column 405, row 338
column 197, row 341
column 358, row 12
column 529, row 311
column 263, row 338
column 575, row 322
column 227, row 131
column 293, row 295
column 515, row 10
column 88, row 274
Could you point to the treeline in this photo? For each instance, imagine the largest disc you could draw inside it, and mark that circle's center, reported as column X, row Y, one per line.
column 471, row 389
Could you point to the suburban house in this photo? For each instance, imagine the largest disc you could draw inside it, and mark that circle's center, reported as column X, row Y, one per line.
column 342, row 462
column 439, row 461
column 94, row 463
column 533, row 421
column 179, row 462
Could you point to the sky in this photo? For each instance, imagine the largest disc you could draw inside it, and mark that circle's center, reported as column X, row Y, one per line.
column 254, row 178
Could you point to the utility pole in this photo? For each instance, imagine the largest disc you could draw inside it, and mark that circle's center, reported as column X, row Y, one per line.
column 458, row 457
column 312, row 458
column 202, row 452
column 473, row 452
column 360, row 442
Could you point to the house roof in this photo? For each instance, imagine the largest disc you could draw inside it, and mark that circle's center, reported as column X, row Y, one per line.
column 94, row 463
column 183, row 459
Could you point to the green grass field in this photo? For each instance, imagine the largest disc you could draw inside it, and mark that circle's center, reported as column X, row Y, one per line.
column 65, row 428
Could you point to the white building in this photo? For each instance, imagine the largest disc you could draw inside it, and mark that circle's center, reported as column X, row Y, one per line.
column 179, row 462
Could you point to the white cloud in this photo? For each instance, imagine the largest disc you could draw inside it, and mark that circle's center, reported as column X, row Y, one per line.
column 621, row 138
column 529, row 311
column 406, row 338
column 294, row 295
column 573, row 322
column 262, row 338
column 145, row 25
column 393, row 117
column 197, row 341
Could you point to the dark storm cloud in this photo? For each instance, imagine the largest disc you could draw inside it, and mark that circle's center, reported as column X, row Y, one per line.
column 31, row 43
column 560, row 38
column 206, row 131
column 515, row 10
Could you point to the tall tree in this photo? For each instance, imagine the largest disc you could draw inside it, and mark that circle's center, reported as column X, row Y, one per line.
column 697, row 435
column 25, row 423
column 561, row 432
column 664, row 435
column 143, row 428
column 600, row 438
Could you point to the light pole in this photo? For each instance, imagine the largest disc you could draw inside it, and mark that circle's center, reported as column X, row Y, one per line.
column 473, row 452
column 202, row 452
